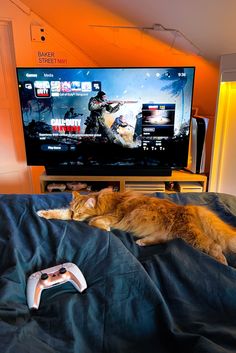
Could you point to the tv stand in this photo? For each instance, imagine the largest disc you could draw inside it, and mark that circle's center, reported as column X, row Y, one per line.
column 149, row 184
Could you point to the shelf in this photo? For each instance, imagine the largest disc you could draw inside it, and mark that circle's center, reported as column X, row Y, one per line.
column 143, row 183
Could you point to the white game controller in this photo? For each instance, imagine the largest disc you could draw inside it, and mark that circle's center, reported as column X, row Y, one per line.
column 56, row 187
column 50, row 277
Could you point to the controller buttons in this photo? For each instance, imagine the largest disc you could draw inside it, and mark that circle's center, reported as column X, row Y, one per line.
column 62, row 270
column 44, row 276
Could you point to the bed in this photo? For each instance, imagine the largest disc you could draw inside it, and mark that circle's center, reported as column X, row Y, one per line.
column 164, row 298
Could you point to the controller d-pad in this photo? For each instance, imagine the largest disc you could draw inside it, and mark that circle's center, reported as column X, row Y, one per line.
column 62, row 270
column 44, row 276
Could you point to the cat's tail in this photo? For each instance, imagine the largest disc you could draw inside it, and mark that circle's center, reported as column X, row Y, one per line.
column 217, row 229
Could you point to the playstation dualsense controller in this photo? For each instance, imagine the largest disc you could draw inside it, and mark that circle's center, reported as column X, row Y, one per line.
column 50, row 277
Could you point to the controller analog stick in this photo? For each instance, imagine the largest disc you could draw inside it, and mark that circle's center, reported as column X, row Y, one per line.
column 44, row 276
column 62, row 270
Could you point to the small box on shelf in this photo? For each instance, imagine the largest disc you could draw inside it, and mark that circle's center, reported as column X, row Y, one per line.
column 146, row 186
column 187, row 186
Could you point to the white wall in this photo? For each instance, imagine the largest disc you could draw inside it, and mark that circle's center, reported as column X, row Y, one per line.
column 223, row 165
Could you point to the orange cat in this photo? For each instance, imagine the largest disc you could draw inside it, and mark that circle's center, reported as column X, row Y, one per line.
column 151, row 219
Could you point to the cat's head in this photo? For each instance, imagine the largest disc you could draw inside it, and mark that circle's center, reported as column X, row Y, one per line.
column 82, row 207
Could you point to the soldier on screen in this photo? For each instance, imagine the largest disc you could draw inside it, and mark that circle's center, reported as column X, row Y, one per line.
column 95, row 123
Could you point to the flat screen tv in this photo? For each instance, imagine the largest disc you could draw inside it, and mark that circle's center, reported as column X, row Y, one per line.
column 106, row 121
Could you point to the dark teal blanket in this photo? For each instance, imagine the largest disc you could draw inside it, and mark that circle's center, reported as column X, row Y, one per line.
column 159, row 299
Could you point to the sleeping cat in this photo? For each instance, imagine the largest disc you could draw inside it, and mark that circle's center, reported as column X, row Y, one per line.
column 150, row 219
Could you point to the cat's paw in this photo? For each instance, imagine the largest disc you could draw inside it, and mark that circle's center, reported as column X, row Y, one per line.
column 43, row 214
column 140, row 242
column 105, row 228
column 222, row 259
column 99, row 224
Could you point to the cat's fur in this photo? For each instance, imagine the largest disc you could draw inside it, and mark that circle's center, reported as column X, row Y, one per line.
column 151, row 219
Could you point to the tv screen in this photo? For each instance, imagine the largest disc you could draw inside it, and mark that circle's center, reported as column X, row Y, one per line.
column 106, row 121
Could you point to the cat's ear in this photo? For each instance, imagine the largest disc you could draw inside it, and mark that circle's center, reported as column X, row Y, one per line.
column 75, row 194
column 90, row 203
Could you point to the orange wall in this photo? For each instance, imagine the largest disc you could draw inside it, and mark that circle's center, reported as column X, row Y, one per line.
column 73, row 39
column 133, row 48
column 120, row 44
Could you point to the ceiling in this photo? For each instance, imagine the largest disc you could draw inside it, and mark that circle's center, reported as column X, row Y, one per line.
column 207, row 27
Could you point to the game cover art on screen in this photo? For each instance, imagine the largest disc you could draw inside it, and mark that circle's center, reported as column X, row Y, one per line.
column 136, row 118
